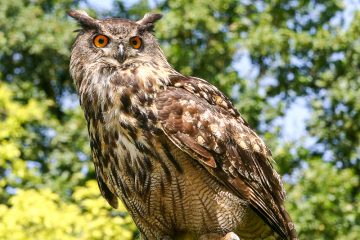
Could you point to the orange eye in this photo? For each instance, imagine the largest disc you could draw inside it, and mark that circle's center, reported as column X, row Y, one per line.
column 101, row 41
column 136, row 42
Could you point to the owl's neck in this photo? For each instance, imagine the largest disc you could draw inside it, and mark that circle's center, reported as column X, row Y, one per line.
column 121, row 86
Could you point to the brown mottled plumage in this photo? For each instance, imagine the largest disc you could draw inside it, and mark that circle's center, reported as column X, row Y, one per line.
column 172, row 148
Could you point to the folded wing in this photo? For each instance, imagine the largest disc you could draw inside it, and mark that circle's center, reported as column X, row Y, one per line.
column 201, row 121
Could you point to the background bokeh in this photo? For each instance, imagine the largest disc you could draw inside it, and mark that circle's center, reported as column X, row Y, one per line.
column 292, row 68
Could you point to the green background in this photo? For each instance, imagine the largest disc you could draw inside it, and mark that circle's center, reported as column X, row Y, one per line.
column 295, row 53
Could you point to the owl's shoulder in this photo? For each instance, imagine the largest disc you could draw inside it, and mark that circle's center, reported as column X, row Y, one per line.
column 202, row 89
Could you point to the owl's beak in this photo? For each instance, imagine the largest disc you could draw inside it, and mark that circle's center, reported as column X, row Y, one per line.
column 121, row 53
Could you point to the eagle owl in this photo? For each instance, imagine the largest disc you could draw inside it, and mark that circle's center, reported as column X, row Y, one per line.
column 173, row 148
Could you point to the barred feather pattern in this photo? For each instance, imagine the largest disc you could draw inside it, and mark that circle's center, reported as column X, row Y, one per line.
column 174, row 149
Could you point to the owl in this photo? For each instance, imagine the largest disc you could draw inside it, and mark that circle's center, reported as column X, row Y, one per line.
column 173, row 148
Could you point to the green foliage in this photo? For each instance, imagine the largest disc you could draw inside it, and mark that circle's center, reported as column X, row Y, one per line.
column 296, row 49
column 15, row 117
column 42, row 214
column 336, row 214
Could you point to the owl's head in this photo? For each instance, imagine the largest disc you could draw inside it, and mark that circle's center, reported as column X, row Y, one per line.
column 115, row 40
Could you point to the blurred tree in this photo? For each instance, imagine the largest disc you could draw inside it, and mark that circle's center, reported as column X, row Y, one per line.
column 42, row 214
column 325, row 209
column 296, row 49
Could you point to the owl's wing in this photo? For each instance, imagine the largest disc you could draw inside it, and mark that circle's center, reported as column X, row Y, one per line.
column 110, row 197
column 201, row 121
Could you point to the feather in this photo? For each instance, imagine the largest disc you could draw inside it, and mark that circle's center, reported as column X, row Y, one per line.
column 150, row 18
column 244, row 165
column 84, row 19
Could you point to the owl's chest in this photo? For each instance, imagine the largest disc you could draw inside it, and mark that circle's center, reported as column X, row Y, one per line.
column 182, row 196
column 160, row 184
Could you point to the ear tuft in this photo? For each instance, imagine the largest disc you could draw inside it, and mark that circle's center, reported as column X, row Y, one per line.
column 83, row 18
column 149, row 19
